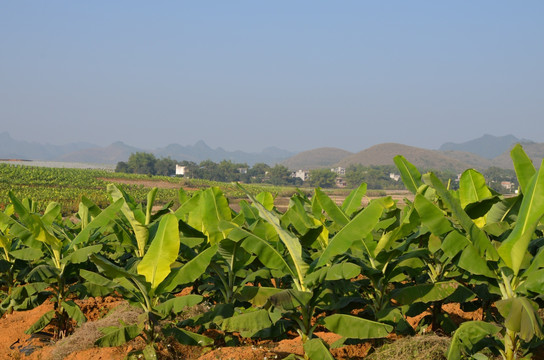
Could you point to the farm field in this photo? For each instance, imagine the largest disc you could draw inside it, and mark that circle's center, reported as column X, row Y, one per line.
column 166, row 268
column 67, row 185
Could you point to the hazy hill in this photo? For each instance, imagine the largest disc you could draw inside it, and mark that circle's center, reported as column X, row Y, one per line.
column 18, row 149
column 118, row 151
column 487, row 146
column 534, row 150
column 201, row 151
column 383, row 154
column 472, row 160
column 317, row 158
column 471, row 154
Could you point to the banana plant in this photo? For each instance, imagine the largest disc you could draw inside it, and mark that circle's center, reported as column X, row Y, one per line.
column 15, row 262
column 65, row 251
column 312, row 277
column 139, row 221
column 503, row 263
column 518, row 274
column 151, row 287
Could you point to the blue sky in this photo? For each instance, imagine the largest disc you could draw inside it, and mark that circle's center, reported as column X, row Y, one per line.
column 245, row 75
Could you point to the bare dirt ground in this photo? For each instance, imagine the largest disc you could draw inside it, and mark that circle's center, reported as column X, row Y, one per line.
column 14, row 344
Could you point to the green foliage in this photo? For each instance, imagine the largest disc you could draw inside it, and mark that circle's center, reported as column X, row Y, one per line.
column 264, row 273
column 322, row 178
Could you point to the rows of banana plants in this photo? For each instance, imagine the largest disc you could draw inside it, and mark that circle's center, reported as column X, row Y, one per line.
column 355, row 271
column 67, row 186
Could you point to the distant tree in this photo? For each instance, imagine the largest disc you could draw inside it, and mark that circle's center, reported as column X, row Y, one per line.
column 376, row 177
column 229, row 171
column 355, row 175
column 165, row 166
column 258, row 172
column 208, row 170
column 280, row 175
column 122, row 167
column 322, row 178
column 142, row 163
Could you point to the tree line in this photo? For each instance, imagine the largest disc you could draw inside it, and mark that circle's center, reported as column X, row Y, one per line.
column 224, row 171
column 376, row 177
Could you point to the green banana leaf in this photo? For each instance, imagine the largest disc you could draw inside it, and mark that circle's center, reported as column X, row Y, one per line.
column 215, row 208
column 355, row 327
column 469, row 338
column 290, row 299
column 521, row 316
column 472, row 188
column 163, row 251
column 342, row 271
column 514, row 248
column 247, row 324
column 188, row 272
column 411, row 177
column 292, row 244
column 335, row 212
column 356, row 229
column 352, row 203
column 151, row 195
column 315, row 349
column 262, row 248
column 134, row 215
column 257, row 295
column 74, row 312
column 81, row 255
column 266, row 199
column 119, row 335
column 431, row 216
column 505, row 210
column 475, row 234
column 42, row 322
column 429, row 292
column 177, row 304
column 524, row 167
column 187, row 337
column 103, row 219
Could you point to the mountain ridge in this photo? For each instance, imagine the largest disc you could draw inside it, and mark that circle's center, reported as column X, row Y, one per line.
column 487, row 146
column 119, row 151
column 462, row 156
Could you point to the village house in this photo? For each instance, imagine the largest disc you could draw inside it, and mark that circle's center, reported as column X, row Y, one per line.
column 340, row 171
column 394, row 176
column 301, row 174
column 181, row 170
column 508, row 185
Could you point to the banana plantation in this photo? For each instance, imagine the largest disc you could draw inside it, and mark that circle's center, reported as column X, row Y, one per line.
column 355, row 271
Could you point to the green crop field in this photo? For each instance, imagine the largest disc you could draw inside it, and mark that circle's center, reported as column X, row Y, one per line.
column 67, row 186
column 259, row 273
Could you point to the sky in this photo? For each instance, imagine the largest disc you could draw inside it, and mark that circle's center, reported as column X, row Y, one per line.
column 245, row 75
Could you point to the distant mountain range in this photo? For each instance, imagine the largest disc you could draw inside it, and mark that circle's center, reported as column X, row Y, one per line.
column 316, row 158
column 487, row 146
column 119, row 151
column 480, row 153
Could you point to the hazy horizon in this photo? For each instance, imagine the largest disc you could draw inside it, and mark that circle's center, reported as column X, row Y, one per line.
column 214, row 147
column 249, row 75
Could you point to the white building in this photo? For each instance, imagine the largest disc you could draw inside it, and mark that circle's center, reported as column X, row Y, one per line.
column 340, row 171
column 301, row 174
column 508, row 185
column 181, row 170
column 394, row 176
